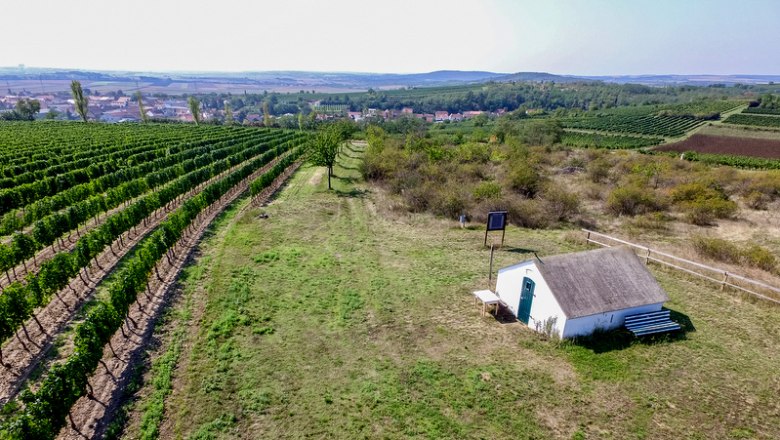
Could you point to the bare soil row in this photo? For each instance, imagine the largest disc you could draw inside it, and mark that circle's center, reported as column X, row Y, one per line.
column 738, row 146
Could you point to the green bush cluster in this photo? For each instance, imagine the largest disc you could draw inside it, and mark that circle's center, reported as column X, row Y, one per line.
column 728, row 252
column 471, row 178
column 632, row 200
column 703, row 203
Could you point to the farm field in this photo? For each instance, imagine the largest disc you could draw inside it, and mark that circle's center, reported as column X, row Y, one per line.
column 668, row 121
column 740, row 146
column 595, row 140
column 340, row 317
column 754, row 120
column 667, row 126
column 77, row 272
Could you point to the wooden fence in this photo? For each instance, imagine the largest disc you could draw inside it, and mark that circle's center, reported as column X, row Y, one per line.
column 722, row 277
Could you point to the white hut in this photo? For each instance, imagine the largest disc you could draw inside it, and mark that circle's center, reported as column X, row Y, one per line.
column 575, row 294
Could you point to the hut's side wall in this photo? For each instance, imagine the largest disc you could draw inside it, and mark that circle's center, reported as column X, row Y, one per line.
column 586, row 325
column 544, row 308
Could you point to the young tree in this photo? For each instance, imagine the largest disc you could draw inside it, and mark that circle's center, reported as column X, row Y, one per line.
column 228, row 114
column 194, row 109
column 80, row 101
column 266, row 114
column 141, row 108
column 325, row 149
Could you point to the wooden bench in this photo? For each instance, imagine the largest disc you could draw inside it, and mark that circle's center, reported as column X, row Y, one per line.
column 649, row 323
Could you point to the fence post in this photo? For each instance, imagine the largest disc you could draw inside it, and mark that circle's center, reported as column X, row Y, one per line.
column 587, row 240
column 725, row 278
column 647, row 257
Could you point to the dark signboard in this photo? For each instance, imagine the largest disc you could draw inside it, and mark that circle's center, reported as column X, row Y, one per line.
column 496, row 221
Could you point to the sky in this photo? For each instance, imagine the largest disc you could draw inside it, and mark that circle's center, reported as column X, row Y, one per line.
column 577, row 37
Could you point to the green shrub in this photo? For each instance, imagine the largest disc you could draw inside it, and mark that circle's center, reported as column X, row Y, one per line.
column 380, row 164
column 598, row 170
column 696, row 191
column 528, row 214
column 633, row 200
column 722, row 250
column 762, row 190
column 524, row 179
column 473, row 152
column 487, row 191
column 716, row 249
column 760, row 257
column 757, row 200
column 704, row 212
column 703, row 203
column 560, row 204
column 449, row 202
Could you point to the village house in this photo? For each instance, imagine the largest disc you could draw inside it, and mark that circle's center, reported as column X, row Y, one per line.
column 441, row 116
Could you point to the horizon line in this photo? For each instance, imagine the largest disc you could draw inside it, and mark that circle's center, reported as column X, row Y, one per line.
column 575, row 75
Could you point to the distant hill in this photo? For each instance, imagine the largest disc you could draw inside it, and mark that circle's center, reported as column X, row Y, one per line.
column 49, row 80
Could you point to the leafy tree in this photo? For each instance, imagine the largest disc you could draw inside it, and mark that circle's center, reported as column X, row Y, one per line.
column 141, row 108
column 52, row 114
column 80, row 101
column 194, row 109
column 28, row 108
column 325, row 149
column 542, row 132
column 480, row 120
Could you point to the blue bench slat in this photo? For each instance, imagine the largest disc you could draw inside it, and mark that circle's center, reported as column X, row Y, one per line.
column 646, row 322
column 659, row 330
column 652, row 322
column 656, row 329
column 648, row 315
column 656, row 325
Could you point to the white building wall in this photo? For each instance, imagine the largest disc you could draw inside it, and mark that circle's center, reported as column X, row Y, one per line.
column 509, row 286
column 586, row 325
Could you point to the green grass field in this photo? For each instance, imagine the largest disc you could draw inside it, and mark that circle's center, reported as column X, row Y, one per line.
column 338, row 317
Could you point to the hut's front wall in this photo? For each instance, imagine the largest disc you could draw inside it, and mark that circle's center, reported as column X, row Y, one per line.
column 586, row 325
column 546, row 313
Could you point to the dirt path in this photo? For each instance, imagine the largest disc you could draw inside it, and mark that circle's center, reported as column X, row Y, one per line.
column 23, row 352
column 90, row 415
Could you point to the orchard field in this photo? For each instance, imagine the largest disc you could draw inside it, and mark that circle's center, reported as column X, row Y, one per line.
column 97, row 222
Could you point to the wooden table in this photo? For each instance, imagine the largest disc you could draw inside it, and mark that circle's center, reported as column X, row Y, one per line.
column 487, row 297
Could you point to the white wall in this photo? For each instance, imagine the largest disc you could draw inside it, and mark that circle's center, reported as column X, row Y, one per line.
column 509, row 286
column 586, row 325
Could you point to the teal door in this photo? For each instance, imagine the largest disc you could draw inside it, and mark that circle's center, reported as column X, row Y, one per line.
column 526, row 298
